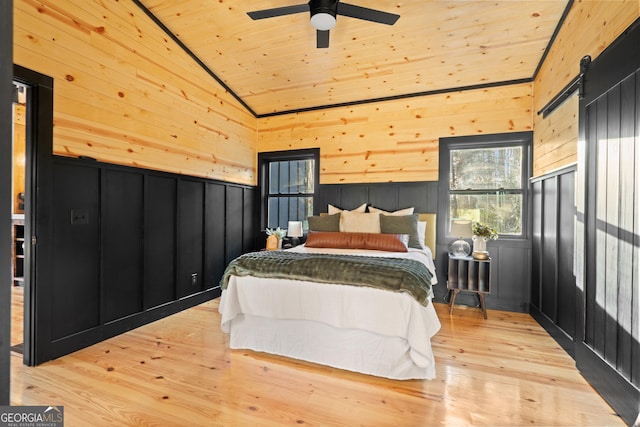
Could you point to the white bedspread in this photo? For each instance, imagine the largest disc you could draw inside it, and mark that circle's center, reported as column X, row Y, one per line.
column 396, row 327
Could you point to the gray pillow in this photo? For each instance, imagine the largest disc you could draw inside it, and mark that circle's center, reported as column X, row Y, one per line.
column 324, row 223
column 405, row 224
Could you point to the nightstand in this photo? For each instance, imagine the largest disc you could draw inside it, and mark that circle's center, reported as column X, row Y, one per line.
column 467, row 274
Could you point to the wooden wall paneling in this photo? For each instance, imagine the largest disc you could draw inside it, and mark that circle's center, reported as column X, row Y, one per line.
column 556, row 137
column 234, row 215
column 75, row 283
column 122, row 219
column 588, row 29
column 160, row 204
column 190, row 237
column 549, row 246
column 215, row 234
column 537, row 219
column 138, row 96
column 396, row 141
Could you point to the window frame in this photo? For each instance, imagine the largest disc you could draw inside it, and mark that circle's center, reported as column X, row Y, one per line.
column 266, row 158
column 447, row 145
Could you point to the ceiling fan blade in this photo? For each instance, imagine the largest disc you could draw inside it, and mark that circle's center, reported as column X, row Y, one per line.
column 359, row 12
column 322, row 39
column 279, row 11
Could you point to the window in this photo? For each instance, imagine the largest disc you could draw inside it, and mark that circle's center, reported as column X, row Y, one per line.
column 288, row 182
column 486, row 180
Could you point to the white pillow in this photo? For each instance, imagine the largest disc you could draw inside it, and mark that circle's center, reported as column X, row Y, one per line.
column 401, row 212
column 357, row 222
column 422, row 230
column 333, row 210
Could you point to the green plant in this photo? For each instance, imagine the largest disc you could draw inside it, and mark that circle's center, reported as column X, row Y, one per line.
column 485, row 231
column 278, row 232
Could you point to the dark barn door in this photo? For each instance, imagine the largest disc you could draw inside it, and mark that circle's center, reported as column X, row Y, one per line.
column 607, row 348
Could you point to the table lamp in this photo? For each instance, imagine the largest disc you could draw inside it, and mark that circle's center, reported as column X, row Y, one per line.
column 294, row 230
column 460, row 228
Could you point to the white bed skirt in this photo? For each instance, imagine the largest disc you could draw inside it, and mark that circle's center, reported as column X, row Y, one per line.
column 360, row 329
column 349, row 349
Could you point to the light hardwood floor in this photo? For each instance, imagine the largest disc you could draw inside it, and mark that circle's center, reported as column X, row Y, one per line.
column 17, row 301
column 179, row 371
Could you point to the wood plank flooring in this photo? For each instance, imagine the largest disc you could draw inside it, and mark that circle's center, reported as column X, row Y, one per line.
column 17, row 304
column 179, row 371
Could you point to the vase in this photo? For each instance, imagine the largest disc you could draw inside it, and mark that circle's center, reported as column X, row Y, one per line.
column 480, row 247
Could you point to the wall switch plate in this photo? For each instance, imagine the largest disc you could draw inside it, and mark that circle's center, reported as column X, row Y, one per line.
column 79, row 216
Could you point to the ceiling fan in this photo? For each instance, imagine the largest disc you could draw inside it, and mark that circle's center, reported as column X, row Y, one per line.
column 323, row 15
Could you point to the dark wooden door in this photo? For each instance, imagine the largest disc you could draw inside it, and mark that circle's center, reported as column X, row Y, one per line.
column 607, row 346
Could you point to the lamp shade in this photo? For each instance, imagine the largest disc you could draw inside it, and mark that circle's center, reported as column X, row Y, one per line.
column 294, row 229
column 461, row 228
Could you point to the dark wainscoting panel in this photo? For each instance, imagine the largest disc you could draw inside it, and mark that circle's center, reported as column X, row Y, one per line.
column 190, row 236
column 536, row 243
column 566, row 310
column 160, row 240
column 388, row 196
column 122, row 218
column 549, row 254
column 76, row 258
column 214, row 247
column 234, row 209
column 553, row 289
column 248, row 221
column 510, row 276
column 132, row 245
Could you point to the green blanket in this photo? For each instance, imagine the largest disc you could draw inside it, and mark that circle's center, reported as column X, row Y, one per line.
column 394, row 274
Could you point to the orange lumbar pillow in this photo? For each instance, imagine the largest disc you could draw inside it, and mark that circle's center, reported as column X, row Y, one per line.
column 349, row 240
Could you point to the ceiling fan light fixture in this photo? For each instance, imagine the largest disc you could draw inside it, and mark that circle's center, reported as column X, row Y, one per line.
column 323, row 21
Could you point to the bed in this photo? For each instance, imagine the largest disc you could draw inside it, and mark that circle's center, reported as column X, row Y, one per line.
column 360, row 327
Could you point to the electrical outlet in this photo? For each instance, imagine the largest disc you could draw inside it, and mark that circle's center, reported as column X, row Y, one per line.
column 194, row 279
column 79, row 216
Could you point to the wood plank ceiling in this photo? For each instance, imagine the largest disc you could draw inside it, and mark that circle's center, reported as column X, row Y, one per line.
column 274, row 67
